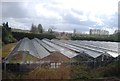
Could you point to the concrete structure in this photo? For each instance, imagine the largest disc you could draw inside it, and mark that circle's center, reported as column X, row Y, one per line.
column 98, row 32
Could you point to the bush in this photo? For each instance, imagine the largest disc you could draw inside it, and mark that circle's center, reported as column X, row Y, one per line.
column 112, row 70
column 80, row 72
column 7, row 36
column 112, row 38
column 21, row 35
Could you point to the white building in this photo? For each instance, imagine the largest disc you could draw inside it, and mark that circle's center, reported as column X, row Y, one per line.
column 98, row 32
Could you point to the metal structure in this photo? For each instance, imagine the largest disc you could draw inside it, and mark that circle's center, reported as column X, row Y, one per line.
column 43, row 48
column 41, row 51
column 98, row 50
column 93, row 53
column 64, row 51
column 46, row 46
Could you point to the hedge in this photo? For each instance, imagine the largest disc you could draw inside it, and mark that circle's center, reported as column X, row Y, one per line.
column 21, row 35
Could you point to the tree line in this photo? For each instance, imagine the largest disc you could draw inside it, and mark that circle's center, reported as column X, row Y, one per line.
column 39, row 29
column 8, row 36
column 35, row 29
column 112, row 38
column 21, row 35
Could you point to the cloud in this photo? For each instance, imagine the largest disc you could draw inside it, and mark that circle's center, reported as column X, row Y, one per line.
column 112, row 20
column 13, row 10
column 65, row 15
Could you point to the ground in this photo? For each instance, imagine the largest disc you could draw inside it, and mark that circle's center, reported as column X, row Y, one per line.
column 7, row 48
column 49, row 73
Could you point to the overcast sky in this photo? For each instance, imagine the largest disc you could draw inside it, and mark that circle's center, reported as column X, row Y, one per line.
column 64, row 15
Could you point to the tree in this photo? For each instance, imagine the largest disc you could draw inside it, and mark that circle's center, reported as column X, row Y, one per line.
column 34, row 29
column 7, row 36
column 74, row 32
column 40, row 28
column 50, row 30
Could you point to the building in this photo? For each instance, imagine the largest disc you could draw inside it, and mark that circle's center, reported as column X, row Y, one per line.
column 98, row 32
column 36, row 51
column 56, row 59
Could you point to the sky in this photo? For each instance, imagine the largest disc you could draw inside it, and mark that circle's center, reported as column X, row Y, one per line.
column 63, row 15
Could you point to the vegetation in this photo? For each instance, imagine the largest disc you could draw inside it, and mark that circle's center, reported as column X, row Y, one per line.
column 50, row 30
column 112, row 69
column 84, row 72
column 6, row 49
column 36, row 30
column 80, row 72
column 49, row 73
column 76, row 72
column 21, row 35
column 112, row 38
column 7, row 36
column 40, row 28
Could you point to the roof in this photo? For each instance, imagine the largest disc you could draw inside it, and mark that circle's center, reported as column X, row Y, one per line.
column 46, row 46
column 70, row 49
column 32, row 47
column 41, row 51
column 62, row 50
column 90, row 52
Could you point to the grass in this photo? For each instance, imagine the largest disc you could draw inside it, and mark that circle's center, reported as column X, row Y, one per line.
column 49, row 73
column 39, row 74
column 7, row 49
